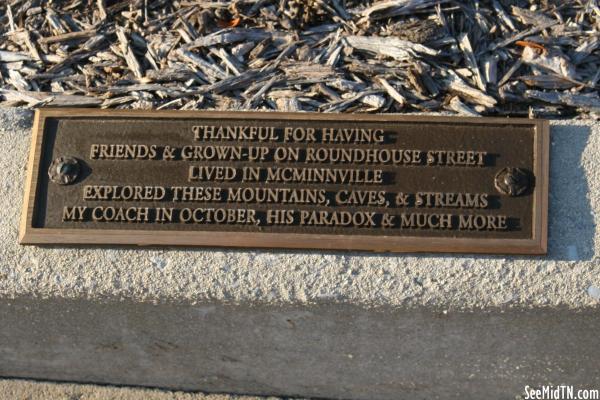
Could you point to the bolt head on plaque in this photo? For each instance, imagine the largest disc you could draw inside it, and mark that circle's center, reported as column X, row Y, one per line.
column 512, row 181
column 64, row 170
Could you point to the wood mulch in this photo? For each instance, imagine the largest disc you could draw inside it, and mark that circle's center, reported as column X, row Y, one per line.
column 498, row 57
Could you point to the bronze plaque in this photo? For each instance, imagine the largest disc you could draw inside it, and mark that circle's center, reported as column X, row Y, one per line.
column 246, row 179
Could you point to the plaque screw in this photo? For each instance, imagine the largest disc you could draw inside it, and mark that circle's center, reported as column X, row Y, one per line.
column 512, row 181
column 64, row 170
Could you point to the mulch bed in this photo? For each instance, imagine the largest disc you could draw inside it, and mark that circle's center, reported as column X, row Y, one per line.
column 499, row 57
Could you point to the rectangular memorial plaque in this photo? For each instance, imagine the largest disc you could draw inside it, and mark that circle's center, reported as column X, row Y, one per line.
column 246, row 179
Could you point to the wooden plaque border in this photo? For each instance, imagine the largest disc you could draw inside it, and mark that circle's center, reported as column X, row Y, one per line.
column 380, row 243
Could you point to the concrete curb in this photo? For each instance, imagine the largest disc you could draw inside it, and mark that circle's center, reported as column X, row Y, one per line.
column 565, row 277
